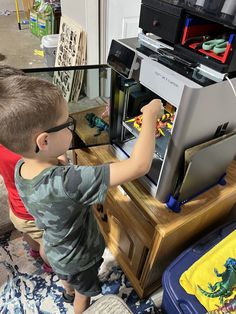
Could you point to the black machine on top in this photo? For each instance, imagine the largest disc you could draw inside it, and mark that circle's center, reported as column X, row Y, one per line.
column 222, row 11
column 203, row 31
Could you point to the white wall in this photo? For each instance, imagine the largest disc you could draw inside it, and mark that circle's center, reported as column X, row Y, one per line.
column 119, row 19
column 85, row 13
column 75, row 10
column 122, row 20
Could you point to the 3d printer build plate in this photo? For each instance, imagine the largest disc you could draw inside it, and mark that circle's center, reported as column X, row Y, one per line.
column 163, row 131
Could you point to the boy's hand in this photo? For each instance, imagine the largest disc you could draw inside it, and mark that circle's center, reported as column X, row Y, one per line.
column 154, row 107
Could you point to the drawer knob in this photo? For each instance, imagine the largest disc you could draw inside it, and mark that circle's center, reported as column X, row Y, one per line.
column 104, row 217
column 100, row 208
column 155, row 23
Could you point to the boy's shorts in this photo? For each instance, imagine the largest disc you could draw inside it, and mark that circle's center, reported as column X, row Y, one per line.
column 27, row 226
column 85, row 282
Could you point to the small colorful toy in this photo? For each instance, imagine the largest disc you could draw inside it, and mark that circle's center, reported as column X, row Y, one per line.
column 223, row 288
column 97, row 122
column 166, row 121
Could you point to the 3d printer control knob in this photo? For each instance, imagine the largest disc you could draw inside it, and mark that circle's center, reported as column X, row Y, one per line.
column 155, row 23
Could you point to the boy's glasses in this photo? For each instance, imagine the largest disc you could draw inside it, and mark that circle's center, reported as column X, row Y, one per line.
column 70, row 125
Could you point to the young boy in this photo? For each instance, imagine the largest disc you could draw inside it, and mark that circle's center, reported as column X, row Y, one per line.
column 21, row 219
column 34, row 122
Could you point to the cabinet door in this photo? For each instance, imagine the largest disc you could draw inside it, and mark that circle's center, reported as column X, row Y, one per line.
column 128, row 245
column 126, row 232
column 91, row 113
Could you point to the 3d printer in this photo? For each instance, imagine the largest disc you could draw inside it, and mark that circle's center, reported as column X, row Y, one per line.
column 175, row 59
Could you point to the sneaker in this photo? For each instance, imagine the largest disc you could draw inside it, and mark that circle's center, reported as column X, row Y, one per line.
column 67, row 298
column 47, row 268
column 34, row 254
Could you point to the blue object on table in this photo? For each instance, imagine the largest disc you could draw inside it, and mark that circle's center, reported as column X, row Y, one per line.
column 173, row 204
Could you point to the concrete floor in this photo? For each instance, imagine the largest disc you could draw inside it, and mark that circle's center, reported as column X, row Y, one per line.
column 17, row 46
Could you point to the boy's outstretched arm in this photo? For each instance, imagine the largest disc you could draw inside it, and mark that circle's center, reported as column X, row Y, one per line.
column 141, row 157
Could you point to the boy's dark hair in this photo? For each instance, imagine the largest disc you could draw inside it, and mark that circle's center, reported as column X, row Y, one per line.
column 6, row 71
column 27, row 105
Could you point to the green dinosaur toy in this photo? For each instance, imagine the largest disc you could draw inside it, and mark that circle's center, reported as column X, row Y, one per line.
column 224, row 288
column 228, row 307
column 95, row 121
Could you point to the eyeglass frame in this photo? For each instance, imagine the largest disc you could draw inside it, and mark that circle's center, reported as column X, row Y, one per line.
column 70, row 125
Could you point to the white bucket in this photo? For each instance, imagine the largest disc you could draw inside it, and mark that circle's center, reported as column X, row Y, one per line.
column 49, row 45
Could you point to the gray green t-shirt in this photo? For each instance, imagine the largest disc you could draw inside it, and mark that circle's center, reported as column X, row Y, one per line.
column 60, row 199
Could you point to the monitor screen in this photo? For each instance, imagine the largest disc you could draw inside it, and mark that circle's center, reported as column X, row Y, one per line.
column 121, row 59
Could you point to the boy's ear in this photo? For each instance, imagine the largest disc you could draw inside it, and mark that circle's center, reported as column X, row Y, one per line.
column 42, row 141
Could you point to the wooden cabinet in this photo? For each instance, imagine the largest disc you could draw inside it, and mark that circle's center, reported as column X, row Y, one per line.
column 142, row 234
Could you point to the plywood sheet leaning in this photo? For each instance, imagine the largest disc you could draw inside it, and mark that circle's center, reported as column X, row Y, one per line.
column 68, row 49
column 79, row 74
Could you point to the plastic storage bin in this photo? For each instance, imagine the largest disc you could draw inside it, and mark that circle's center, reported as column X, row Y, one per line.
column 175, row 299
column 49, row 45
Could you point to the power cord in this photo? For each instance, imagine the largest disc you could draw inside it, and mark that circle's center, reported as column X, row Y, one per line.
column 231, row 84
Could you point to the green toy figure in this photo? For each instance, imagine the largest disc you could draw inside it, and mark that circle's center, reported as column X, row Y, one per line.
column 97, row 122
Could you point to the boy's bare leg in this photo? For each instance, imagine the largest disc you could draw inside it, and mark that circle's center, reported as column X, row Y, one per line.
column 32, row 243
column 81, row 303
column 43, row 255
